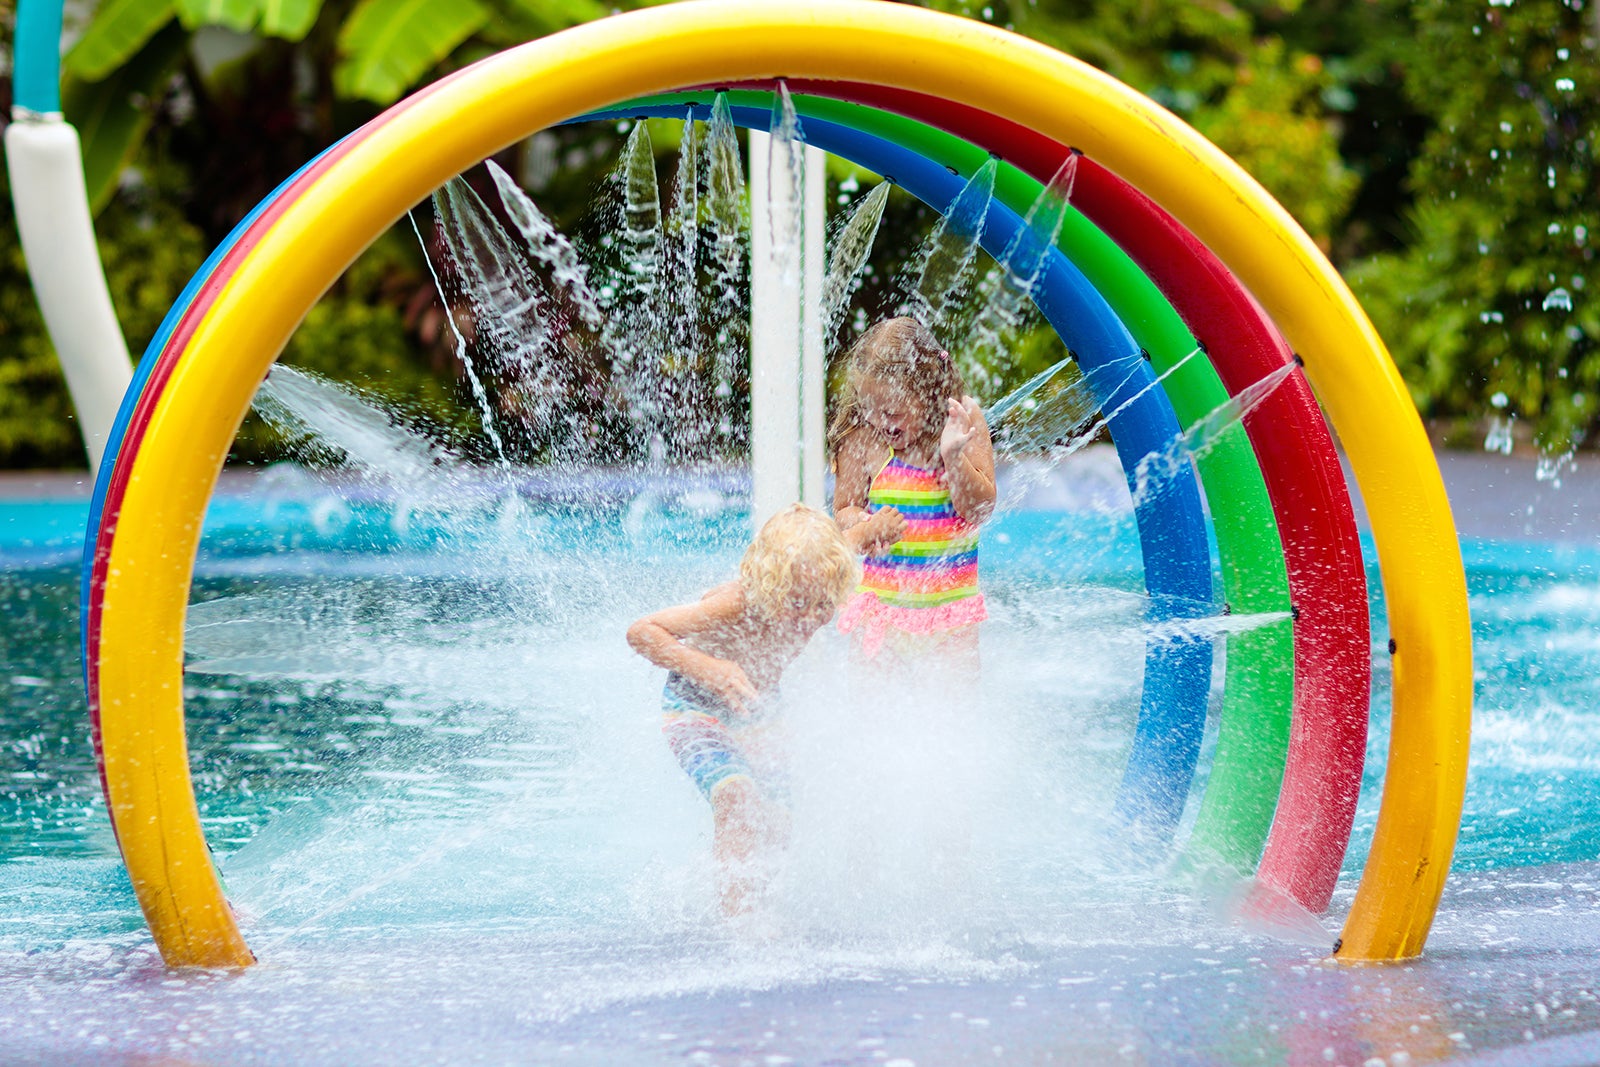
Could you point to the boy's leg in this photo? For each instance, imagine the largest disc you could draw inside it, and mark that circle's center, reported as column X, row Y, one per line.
column 742, row 831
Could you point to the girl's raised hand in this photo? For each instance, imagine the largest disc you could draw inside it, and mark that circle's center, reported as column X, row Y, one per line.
column 963, row 422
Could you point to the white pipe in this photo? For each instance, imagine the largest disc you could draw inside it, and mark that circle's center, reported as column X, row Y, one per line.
column 45, row 163
column 787, row 388
column 813, row 383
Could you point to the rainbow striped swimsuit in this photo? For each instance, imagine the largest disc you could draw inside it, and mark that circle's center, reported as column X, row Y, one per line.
column 927, row 583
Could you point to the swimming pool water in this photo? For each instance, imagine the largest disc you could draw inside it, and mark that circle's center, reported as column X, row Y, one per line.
column 429, row 768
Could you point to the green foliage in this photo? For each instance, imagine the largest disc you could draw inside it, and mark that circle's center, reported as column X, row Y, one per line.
column 289, row 19
column 119, row 29
column 539, row 17
column 149, row 252
column 110, row 115
column 357, row 332
column 1272, row 122
column 1490, row 295
column 388, row 45
column 1224, row 68
column 236, row 15
column 36, row 427
column 1442, row 152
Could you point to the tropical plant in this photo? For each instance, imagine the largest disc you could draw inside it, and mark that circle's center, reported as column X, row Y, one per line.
column 369, row 51
column 1488, row 306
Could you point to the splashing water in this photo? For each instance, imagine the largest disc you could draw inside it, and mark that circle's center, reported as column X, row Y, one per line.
column 728, row 311
column 943, row 268
column 786, row 166
column 1202, row 436
column 547, row 245
column 1044, row 411
column 510, row 304
column 1501, row 437
column 633, row 331
column 1553, row 466
column 479, row 393
column 677, row 283
column 1557, row 299
column 636, row 173
column 336, row 419
column 1157, row 468
column 725, row 207
column 1005, row 296
column 849, row 245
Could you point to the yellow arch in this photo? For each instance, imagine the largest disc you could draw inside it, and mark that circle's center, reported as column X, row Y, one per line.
column 508, row 96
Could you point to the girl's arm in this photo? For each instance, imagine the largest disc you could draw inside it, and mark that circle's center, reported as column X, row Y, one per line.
column 968, row 454
column 658, row 637
column 852, row 478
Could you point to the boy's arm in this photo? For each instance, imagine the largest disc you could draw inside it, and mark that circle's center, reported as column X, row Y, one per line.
column 864, row 532
column 658, row 637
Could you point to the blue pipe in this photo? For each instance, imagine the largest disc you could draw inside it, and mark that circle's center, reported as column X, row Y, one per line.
column 36, row 57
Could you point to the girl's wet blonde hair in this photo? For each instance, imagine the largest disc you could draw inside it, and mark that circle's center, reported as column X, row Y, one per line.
column 902, row 351
column 797, row 561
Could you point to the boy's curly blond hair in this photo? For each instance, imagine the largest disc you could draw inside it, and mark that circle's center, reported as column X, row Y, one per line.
column 798, row 560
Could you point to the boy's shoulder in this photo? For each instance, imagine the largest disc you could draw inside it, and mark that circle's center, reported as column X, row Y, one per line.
column 730, row 608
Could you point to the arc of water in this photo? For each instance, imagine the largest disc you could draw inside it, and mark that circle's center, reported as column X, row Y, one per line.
column 1206, row 432
column 944, row 264
column 334, row 416
column 725, row 207
column 682, row 232
column 632, row 335
column 849, row 246
column 1005, row 295
column 727, row 313
column 642, row 207
column 786, row 377
column 548, row 246
column 507, row 298
column 1067, row 446
column 479, row 393
column 679, row 297
column 786, row 164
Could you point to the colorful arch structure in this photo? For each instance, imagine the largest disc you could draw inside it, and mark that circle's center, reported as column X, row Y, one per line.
column 1173, row 247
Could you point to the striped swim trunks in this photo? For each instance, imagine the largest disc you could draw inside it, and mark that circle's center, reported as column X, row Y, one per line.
column 712, row 744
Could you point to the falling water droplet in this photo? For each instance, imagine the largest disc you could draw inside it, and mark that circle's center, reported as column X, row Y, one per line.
column 1552, row 465
column 1500, row 437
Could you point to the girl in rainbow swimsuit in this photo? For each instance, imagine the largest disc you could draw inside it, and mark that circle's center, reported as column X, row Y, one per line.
column 724, row 654
column 914, row 470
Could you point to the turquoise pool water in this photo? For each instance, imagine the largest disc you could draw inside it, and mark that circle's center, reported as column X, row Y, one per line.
column 429, row 767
